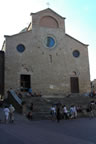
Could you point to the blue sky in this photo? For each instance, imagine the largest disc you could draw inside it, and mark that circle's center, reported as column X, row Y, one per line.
column 80, row 20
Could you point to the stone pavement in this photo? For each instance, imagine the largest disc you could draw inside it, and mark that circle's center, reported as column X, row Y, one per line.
column 78, row 131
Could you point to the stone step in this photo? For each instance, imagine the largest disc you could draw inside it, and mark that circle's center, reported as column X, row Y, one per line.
column 41, row 105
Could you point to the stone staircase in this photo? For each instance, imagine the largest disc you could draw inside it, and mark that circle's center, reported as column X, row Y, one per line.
column 41, row 105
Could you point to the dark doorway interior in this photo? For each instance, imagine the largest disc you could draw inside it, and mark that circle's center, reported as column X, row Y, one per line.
column 74, row 81
column 25, row 81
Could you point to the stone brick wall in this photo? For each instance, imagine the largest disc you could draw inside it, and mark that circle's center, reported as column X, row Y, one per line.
column 50, row 68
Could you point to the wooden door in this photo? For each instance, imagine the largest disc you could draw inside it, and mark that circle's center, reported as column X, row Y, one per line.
column 74, row 82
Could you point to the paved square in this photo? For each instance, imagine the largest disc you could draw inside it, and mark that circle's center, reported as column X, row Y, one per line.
column 23, row 131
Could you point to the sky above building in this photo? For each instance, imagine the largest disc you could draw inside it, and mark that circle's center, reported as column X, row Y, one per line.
column 80, row 20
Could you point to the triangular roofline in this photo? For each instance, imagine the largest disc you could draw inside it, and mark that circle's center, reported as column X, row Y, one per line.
column 50, row 10
column 77, row 40
column 20, row 33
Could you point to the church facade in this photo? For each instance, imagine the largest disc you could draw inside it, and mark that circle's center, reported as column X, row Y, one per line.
column 43, row 57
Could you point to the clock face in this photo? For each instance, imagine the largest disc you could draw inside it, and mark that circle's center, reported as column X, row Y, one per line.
column 20, row 48
column 49, row 42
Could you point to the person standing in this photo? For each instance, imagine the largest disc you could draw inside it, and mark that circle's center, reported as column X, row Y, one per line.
column 6, row 113
column 75, row 111
column 53, row 112
column 65, row 111
column 11, row 114
column 72, row 111
column 92, row 109
column 58, row 112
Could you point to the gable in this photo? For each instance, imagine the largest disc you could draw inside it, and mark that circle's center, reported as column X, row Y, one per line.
column 47, row 18
column 47, row 11
column 75, row 40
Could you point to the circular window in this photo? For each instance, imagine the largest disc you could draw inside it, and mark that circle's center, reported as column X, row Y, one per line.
column 20, row 48
column 76, row 53
column 49, row 42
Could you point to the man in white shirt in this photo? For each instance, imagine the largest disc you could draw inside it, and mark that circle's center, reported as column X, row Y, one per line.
column 6, row 113
column 73, row 112
column 53, row 112
column 65, row 112
column 11, row 109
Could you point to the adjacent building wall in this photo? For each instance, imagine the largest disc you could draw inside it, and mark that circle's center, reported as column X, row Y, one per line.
column 1, row 73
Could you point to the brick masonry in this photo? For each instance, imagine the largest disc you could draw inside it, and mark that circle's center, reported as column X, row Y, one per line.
column 50, row 68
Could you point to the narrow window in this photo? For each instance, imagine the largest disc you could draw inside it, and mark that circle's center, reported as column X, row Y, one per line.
column 50, row 56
